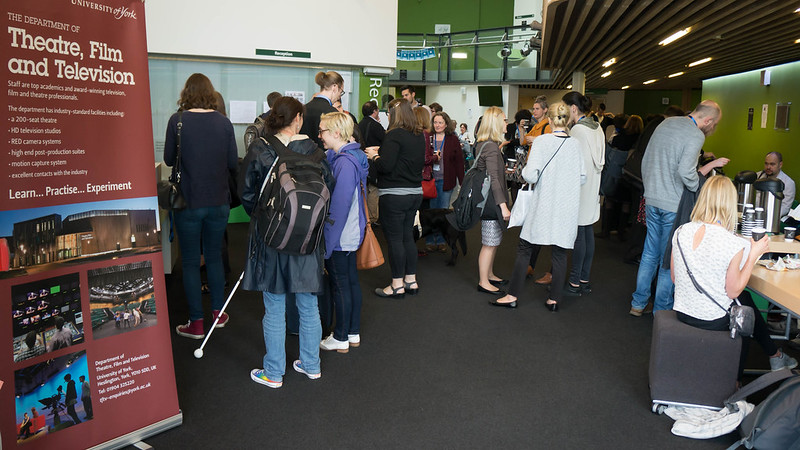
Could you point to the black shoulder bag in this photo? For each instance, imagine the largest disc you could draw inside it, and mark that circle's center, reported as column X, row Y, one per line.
column 170, row 196
column 742, row 317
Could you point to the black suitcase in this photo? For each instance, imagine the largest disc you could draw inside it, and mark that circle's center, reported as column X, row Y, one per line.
column 690, row 366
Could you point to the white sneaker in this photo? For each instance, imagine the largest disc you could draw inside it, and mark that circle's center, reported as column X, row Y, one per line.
column 354, row 340
column 331, row 343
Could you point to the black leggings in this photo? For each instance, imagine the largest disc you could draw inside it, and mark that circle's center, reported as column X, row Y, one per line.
column 527, row 254
column 760, row 330
column 397, row 219
column 582, row 255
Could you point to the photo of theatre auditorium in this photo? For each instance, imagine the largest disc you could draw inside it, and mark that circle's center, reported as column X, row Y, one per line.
column 121, row 299
column 40, row 238
column 51, row 396
column 46, row 316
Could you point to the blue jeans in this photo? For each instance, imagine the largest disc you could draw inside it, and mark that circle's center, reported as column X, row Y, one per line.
column 194, row 225
column 442, row 200
column 346, row 292
column 659, row 225
column 274, row 325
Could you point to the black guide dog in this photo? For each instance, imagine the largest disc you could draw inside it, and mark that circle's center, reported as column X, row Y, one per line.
column 433, row 220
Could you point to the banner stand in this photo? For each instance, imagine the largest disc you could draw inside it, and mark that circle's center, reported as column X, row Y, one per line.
column 143, row 433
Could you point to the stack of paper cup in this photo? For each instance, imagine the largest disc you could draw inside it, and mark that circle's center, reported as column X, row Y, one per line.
column 759, row 217
column 748, row 222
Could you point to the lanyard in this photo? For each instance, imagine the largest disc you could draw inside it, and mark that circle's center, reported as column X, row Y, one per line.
column 695, row 122
column 439, row 146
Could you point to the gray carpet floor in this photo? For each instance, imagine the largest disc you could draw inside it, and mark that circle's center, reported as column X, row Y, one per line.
column 442, row 369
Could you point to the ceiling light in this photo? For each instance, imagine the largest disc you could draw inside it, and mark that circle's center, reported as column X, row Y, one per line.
column 797, row 10
column 650, row 81
column 569, row 86
column 699, row 61
column 609, row 62
column 676, row 36
column 605, row 74
column 459, row 55
column 797, row 41
column 625, row 87
column 676, row 74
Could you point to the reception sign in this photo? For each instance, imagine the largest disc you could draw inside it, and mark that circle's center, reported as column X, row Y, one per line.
column 85, row 354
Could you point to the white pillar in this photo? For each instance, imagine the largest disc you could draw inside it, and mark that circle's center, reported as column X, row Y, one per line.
column 579, row 82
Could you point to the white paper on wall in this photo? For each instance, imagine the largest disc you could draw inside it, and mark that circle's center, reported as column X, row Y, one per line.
column 242, row 111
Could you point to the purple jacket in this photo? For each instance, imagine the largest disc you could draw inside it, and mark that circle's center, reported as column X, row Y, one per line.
column 349, row 166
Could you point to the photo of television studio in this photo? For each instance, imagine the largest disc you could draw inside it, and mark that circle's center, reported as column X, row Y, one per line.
column 46, row 316
column 121, row 298
column 52, row 395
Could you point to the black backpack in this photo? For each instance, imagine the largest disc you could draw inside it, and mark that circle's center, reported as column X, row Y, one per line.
column 475, row 190
column 294, row 200
column 254, row 131
column 775, row 422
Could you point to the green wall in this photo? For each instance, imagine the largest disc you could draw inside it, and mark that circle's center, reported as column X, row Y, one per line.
column 646, row 102
column 746, row 148
column 420, row 16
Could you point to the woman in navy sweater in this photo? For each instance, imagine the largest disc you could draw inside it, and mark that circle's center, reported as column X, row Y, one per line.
column 207, row 152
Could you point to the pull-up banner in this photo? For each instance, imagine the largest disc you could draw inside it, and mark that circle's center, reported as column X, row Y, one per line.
column 85, row 354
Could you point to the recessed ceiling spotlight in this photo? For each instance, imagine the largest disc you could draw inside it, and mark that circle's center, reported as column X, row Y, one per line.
column 676, row 74
column 609, row 62
column 569, row 86
column 605, row 74
column 797, row 41
column 699, row 61
column 625, row 87
column 650, row 81
column 797, row 10
column 674, row 37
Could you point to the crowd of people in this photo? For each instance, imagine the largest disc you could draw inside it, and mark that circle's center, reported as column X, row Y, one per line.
column 551, row 159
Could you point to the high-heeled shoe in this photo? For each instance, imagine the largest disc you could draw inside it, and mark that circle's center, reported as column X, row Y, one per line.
column 551, row 306
column 380, row 293
column 409, row 289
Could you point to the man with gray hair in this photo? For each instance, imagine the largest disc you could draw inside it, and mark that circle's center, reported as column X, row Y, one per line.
column 669, row 165
column 773, row 163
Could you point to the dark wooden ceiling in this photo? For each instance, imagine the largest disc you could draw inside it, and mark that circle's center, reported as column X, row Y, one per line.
column 739, row 35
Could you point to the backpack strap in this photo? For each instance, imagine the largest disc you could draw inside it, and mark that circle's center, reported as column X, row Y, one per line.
column 758, row 384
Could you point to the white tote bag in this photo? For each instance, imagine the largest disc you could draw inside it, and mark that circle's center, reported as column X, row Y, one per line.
column 521, row 205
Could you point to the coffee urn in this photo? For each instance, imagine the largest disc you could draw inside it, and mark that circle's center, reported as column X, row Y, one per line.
column 769, row 194
column 744, row 186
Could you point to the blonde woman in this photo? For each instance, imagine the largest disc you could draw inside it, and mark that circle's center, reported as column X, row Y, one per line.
column 721, row 263
column 555, row 164
column 496, row 211
column 345, row 231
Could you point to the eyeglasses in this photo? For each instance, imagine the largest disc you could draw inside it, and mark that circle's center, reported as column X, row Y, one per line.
column 322, row 131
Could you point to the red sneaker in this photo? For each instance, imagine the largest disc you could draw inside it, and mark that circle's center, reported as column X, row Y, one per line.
column 192, row 330
column 223, row 320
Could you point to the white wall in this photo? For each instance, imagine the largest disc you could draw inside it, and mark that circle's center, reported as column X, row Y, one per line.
column 347, row 32
column 465, row 108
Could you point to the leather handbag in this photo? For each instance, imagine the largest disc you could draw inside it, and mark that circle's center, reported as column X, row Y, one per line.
column 169, row 192
column 369, row 254
column 428, row 188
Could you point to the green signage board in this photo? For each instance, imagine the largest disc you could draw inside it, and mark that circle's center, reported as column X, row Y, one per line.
column 283, row 53
column 372, row 87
